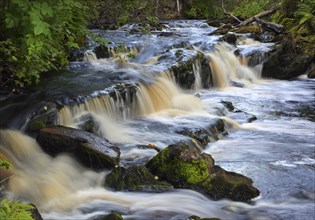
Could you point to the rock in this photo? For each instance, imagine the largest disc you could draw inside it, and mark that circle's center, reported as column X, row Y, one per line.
column 137, row 178
column 91, row 150
column 194, row 217
column 205, row 135
column 35, row 213
column 76, row 55
column 112, row 216
column 46, row 115
column 101, row 51
column 311, row 71
column 185, row 167
column 230, row 38
column 290, row 59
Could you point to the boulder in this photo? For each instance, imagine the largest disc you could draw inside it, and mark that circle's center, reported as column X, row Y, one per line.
column 186, row 167
column 46, row 115
column 136, row 178
column 101, row 51
column 289, row 59
column 91, row 150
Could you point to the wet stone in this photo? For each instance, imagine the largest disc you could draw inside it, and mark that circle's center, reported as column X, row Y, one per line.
column 136, row 178
column 186, row 167
column 91, row 150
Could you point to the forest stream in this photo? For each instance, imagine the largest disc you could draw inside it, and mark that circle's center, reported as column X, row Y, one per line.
column 137, row 97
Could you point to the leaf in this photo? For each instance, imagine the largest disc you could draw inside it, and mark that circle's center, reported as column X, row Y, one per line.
column 38, row 30
column 46, row 9
column 9, row 22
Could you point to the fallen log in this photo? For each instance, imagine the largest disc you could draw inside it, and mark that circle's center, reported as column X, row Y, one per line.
column 260, row 15
column 269, row 26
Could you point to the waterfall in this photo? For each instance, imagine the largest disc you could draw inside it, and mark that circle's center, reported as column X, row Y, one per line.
column 90, row 56
column 228, row 70
column 197, row 72
column 108, row 112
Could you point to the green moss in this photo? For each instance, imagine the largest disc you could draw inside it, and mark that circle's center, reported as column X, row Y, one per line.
column 186, row 167
column 135, row 179
column 112, row 216
column 181, row 170
column 38, row 124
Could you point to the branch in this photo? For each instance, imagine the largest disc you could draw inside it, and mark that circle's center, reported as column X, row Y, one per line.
column 230, row 14
column 277, row 28
column 261, row 15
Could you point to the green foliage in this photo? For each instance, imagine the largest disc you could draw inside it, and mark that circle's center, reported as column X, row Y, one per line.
column 298, row 17
column 13, row 210
column 203, row 9
column 4, row 163
column 249, row 8
column 305, row 18
column 153, row 21
column 37, row 36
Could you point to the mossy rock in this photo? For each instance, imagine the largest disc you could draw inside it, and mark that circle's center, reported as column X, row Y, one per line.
column 290, row 59
column 45, row 116
column 137, row 178
column 186, row 167
column 112, row 216
column 194, row 217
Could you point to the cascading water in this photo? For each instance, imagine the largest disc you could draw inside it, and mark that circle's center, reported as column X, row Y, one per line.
column 228, row 70
column 276, row 150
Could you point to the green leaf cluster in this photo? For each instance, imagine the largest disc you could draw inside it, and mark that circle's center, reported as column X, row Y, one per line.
column 5, row 164
column 249, row 8
column 13, row 210
column 298, row 16
column 203, row 9
column 37, row 35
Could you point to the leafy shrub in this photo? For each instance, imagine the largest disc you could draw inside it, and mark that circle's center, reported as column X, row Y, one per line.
column 249, row 8
column 305, row 18
column 13, row 210
column 298, row 17
column 5, row 164
column 37, row 36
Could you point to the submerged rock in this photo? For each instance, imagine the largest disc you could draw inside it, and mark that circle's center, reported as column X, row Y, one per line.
column 137, row 178
column 111, row 216
column 185, row 167
column 211, row 133
column 194, row 217
column 91, row 150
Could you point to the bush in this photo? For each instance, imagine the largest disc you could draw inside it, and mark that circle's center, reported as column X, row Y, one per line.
column 250, row 8
column 13, row 210
column 37, row 36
